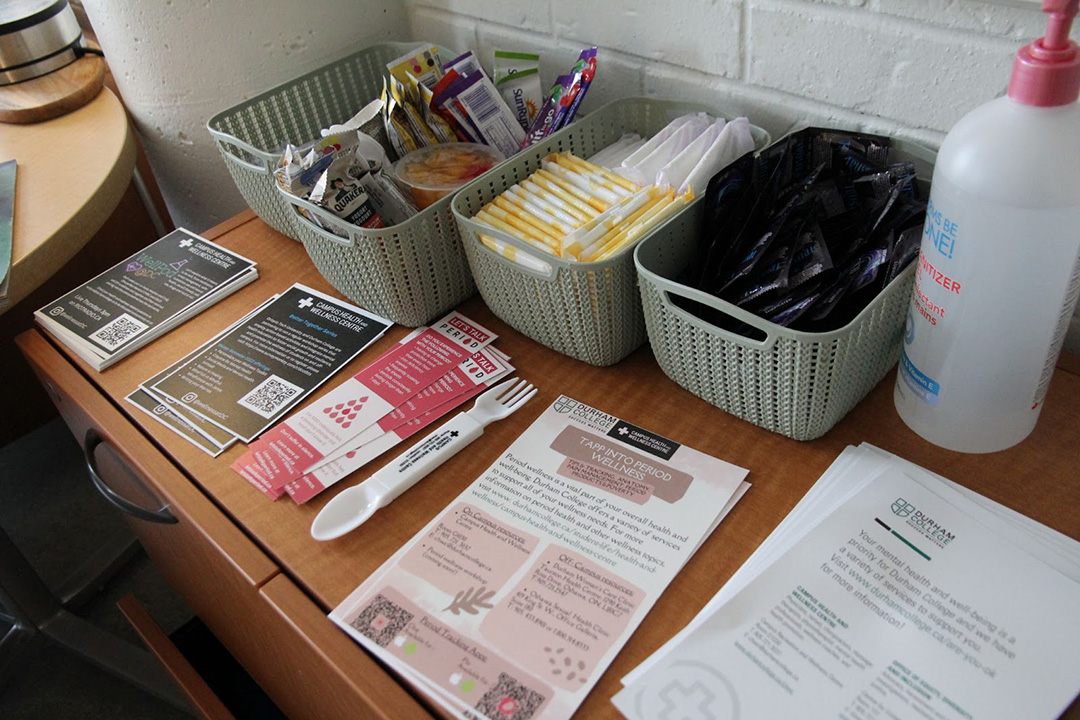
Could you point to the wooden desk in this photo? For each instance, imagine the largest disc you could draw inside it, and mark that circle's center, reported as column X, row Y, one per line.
column 73, row 170
column 250, row 569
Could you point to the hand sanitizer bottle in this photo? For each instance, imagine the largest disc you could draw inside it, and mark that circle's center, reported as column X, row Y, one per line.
column 999, row 268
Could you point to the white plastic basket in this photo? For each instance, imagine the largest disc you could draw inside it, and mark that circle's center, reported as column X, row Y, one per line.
column 412, row 272
column 589, row 311
column 252, row 135
column 798, row 384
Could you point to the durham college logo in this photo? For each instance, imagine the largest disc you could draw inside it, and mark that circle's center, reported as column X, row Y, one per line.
column 565, row 404
column 902, row 508
column 923, row 523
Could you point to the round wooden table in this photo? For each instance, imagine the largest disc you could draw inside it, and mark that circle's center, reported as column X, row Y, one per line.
column 72, row 172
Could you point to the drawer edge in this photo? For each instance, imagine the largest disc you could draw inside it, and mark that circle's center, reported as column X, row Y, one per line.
column 153, row 466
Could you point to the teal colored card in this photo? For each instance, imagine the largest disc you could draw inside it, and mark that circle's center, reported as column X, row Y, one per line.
column 7, row 214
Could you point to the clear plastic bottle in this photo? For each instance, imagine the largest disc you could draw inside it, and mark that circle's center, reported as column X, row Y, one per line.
column 999, row 267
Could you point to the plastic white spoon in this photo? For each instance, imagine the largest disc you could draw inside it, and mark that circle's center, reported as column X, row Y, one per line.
column 352, row 507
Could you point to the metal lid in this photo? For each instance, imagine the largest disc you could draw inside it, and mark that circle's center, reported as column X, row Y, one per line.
column 36, row 37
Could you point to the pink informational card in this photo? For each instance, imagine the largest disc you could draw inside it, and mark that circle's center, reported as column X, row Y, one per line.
column 457, row 387
column 514, row 600
column 287, row 450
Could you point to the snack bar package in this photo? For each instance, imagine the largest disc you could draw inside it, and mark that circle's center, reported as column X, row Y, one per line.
column 563, row 99
column 423, row 63
column 582, row 75
column 517, row 78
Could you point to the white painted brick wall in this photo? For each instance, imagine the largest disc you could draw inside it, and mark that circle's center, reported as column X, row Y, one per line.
column 908, row 68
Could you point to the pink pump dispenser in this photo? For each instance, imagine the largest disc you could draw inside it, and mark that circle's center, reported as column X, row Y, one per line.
column 1046, row 73
column 1003, row 228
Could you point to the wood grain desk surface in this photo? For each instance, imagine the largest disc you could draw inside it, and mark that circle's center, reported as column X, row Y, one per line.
column 72, row 172
column 1040, row 477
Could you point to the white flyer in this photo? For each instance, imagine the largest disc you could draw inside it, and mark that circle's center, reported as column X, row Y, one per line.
column 898, row 603
column 513, row 601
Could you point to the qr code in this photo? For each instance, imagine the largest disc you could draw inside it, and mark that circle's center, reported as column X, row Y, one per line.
column 269, row 396
column 381, row 621
column 114, row 334
column 510, row 700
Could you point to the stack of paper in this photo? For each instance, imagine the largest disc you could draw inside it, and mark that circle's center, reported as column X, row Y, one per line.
column 144, row 297
column 426, row 375
column 7, row 225
column 245, row 379
column 888, row 592
column 513, row 601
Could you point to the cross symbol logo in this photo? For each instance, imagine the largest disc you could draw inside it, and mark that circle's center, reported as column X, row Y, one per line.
column 454, row 433
column 306, row 302
column 624, row 431
column 688, row 703
column 186, row 243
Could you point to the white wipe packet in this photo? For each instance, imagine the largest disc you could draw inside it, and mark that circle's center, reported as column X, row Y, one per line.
column 675, row 172
column 734, row 141
column 643, row 170
column 613, row 155
column 659, row 138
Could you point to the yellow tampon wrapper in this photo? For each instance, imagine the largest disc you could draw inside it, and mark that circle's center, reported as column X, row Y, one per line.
column 585, row 236
column 579, row 210
column 529, row 230
column 602, row 171
column 586, row 185
column 616, row 235
column 511, row 253
column 525, row 196
column 532, row 214
column 541, row 176
column 572, row 209
column 597, row 174
column 510, row 230
column 586, row 197
column 646, row 226
column 641, row 209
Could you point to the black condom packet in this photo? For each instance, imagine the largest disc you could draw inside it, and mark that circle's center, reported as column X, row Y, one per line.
column 808, row 231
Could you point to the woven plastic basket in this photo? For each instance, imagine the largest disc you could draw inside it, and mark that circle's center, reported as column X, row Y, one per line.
column 411, row 272
column 589, row 311
column 252, row 135
column 794, row 383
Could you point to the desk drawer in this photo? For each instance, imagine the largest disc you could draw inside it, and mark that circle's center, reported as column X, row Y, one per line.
column 284, row 641
column 206, row 704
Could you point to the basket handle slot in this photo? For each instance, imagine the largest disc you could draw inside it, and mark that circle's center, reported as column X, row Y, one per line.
column 753, row 330
column 231, row 145
column 297, row 203
column 537, row 261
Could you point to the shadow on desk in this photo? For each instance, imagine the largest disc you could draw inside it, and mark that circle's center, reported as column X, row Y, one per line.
column 25, row 405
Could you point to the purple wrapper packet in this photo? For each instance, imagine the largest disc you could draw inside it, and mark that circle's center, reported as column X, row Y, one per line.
column 583, row 73
column 545, row 119
column 464, row 63
column 445, row 94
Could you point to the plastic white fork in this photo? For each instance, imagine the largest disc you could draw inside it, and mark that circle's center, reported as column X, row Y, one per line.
column 350, row 508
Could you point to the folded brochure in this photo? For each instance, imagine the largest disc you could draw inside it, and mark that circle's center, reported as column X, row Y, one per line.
column 513, row 601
